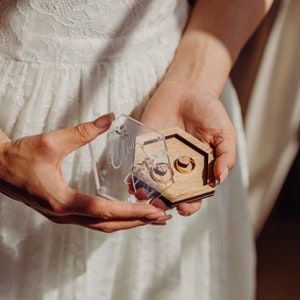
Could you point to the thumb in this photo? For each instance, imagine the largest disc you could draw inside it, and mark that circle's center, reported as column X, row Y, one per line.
column 225, row 159
column 72, row 138
column 3, row 137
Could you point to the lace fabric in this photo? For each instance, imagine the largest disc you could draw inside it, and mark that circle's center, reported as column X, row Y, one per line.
column 65, row 62
column 85, row 31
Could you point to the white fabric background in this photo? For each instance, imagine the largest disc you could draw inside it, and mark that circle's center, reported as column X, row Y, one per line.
column 273, row 115
column 65, row 62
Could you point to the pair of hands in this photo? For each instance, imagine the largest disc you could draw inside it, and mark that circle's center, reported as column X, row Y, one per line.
column 31, row 167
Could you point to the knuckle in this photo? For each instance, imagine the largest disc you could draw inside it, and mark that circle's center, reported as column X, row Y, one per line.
column 56, row 207
column 46, row 142
column 107, row 229
column 60, row 209
column 105, row 216
column 104, row 212
column 83, row 132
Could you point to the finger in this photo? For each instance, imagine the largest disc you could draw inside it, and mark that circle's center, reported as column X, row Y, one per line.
column 159, row 204
column 106, row 226
column 225, row 159
column 93, row 206
column 69, row 139
column 142, row 194
column 3, row 137
column 113, row 226
column 187, row 209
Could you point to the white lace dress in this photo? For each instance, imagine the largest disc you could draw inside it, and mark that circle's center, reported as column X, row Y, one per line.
column 67, row 61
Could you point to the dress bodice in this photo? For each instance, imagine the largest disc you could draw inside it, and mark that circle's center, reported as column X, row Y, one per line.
column 86, row 30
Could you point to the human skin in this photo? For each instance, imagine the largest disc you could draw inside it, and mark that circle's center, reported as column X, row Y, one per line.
column 30, row 167
column 31, row 172
column 188, row 96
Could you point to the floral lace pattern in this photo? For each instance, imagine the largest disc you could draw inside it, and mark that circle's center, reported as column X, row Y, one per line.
column 84, row 30
column 68, row 61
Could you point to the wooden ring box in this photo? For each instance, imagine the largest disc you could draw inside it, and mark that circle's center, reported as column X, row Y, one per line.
column 170, row 165
column 192, row 167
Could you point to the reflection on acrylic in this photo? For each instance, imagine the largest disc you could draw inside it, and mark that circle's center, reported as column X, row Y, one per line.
column 131, row 162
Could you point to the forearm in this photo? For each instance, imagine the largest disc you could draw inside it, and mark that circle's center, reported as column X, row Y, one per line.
column 214, row 36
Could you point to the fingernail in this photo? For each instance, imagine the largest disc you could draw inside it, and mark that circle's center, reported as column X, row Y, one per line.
column 212, row 182
column 223, row 175
column 104, row 120
column 183, row 213
column 156, row 215
column 164, row 219
column 159, row 223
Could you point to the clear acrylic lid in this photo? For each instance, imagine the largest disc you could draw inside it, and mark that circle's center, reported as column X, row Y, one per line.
column 130, row 162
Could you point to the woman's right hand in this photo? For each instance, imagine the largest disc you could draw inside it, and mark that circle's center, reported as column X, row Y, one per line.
column 31, row 172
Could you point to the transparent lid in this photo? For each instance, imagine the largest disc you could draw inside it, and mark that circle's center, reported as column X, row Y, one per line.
column 130, row 162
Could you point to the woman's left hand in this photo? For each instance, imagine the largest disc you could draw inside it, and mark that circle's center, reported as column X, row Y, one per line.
column 192, row 108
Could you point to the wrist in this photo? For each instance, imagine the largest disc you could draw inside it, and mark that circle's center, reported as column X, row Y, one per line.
column 201, row 61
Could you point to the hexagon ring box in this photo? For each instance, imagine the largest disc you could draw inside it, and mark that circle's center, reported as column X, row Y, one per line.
column 134, row 163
